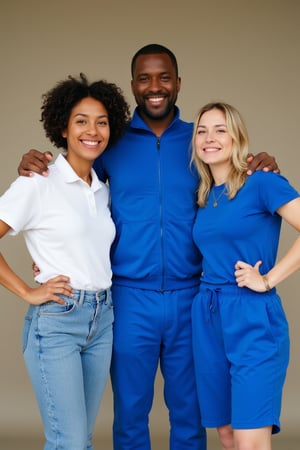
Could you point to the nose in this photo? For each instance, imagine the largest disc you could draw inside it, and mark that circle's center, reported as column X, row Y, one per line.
column 92, row 129
column 210, row 136
column 154, row 84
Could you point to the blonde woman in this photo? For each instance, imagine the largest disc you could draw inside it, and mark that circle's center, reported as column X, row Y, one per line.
column 240, row 332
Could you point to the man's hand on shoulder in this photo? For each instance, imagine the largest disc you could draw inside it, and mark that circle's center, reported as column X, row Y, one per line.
column 34, row 161
column 262, row 161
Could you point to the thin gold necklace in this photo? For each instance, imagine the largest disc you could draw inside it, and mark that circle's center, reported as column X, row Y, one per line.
column 216, row 199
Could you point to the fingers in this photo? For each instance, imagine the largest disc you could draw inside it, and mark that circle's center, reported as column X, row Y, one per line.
column 257, row 163
column 59, row 285
column 34, row 161
column 257, row 265
column 269, row 164
column 241, row 265
column 239, row 273
column 51, row 290
column 249, row 160
column 268, row 168
column 48, row 155
column 241, row 277
column 262, row 161
column 58, row 278
column 35, row 269
column 57, row 299
column 249, row 276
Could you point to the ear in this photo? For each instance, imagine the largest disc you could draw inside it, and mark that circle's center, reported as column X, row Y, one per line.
column 178, row 84
column 64, row 134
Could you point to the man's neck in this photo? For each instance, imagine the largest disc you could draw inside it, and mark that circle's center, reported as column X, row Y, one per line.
column 160, row 125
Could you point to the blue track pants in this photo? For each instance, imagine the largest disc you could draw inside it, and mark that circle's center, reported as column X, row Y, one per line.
column 153, row 328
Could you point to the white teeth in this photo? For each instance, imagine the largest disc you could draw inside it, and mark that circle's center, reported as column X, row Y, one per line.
column 155, row 99
column 90, row 142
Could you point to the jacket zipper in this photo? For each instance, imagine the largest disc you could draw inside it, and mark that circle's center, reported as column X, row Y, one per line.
column 161, row 215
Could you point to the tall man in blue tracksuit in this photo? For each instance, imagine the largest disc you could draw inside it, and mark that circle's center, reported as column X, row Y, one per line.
column 155, row 263
column 156, row 266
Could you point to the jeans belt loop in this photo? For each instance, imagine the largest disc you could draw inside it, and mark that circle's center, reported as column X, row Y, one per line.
column 81, row 297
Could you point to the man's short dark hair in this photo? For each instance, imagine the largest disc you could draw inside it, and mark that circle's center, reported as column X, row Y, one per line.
column 152, row 49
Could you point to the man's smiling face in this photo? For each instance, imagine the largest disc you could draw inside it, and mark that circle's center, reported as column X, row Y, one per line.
column 155, row 86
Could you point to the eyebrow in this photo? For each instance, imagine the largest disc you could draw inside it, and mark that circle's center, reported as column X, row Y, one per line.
column 217, row 125
column 165, row 72
column 86, row 115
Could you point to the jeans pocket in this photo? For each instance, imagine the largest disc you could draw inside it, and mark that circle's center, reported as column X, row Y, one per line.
column 56, row 309
column 26, row 329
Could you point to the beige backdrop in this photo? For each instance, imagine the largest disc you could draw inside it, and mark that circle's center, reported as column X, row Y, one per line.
column 241, row 51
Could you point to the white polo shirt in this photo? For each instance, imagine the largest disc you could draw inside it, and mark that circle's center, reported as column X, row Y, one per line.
column 66, row 223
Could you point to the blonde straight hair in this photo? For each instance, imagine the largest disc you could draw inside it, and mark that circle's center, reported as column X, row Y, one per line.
column 237, row 129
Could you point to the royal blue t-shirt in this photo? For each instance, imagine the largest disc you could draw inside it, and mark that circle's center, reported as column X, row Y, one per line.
column 245, row 228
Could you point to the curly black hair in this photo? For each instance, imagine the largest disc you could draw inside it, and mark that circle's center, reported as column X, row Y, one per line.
column 59, row 101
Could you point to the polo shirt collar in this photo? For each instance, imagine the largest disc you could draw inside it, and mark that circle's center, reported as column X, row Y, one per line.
column 70, row 176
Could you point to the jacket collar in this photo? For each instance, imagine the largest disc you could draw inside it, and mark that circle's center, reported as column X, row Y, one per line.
column 138, row 122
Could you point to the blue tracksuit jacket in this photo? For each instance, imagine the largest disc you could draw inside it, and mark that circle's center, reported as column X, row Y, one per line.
column 153, row 193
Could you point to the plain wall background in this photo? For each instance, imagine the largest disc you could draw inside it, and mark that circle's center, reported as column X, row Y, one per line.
column 240, row 51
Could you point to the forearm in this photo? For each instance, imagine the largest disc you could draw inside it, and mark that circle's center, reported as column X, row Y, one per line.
column 51, row 290
column 289, row 264
column 10, row 280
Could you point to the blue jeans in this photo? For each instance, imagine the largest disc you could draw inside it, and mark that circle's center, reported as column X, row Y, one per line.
column 67, row 351
column 154, row 328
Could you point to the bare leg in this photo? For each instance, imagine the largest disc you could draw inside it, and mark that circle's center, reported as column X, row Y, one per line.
column 226, row 437
column 255, row 439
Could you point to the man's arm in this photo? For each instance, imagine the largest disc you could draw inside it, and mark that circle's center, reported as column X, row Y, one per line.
column 262, row 161
column 34, row 161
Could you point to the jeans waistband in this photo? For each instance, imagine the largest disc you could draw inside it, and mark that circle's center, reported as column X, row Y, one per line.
column 82, row 295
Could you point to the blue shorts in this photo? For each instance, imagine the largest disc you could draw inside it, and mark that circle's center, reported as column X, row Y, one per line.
column 241, row 354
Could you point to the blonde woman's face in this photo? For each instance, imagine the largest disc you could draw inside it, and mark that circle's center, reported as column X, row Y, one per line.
column 213, row 142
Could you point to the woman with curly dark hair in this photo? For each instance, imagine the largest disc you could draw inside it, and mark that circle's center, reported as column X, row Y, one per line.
column 67, row 226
